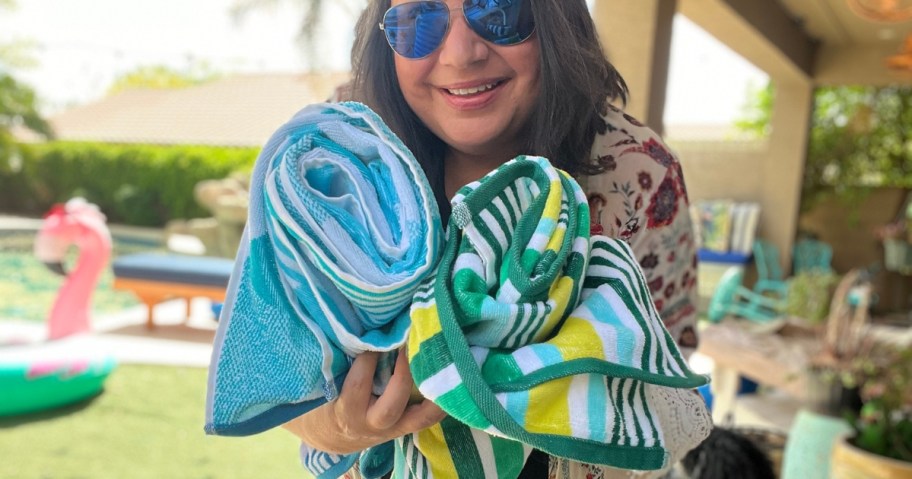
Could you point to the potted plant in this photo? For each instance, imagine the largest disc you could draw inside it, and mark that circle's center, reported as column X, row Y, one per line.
column 819, row 424
column 897, row 245
column 894, row 230
column 881, row 443
column 869, row 382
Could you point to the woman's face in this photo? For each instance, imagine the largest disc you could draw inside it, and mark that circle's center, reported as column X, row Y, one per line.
column 476, row 96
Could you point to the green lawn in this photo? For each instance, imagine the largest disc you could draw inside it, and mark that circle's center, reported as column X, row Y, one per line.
column 148, row 423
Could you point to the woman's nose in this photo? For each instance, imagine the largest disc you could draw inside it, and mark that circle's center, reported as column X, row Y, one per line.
column 462, row 47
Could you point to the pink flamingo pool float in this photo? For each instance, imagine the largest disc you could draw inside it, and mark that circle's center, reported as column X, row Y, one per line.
column 82, row 224
column 43, row 383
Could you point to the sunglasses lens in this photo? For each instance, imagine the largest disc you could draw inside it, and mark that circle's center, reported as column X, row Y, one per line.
column 502, row 22
column 416, row 29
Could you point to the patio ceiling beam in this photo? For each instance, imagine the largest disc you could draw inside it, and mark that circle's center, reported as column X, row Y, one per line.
column 858, row 65
column 763, row 32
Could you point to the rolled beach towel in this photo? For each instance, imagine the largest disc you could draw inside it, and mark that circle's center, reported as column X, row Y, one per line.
column 342, row 228
column 533, row 335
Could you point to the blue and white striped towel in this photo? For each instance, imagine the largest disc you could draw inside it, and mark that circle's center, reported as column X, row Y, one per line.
column 342, row 228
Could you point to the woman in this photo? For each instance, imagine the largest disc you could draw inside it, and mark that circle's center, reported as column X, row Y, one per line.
column 468, row 85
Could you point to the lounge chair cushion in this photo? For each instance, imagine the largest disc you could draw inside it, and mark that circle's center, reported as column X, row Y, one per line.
column 172, row 268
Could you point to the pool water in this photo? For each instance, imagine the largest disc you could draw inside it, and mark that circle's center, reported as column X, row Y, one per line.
column 28, row 288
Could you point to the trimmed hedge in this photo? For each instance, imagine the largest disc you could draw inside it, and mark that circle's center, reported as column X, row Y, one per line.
column 142, row 185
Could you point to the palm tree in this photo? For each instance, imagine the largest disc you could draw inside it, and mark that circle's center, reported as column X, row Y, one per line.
column 18, row 103
column 18, row 107
column 314, row 14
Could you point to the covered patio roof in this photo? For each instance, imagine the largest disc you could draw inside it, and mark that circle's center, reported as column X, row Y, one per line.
column 822, row 41
column 800, row 44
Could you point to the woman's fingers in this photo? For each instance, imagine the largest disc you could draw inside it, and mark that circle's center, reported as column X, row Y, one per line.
column 418, row 417
column 385, row 412
column 357, row 420
column 356, row 390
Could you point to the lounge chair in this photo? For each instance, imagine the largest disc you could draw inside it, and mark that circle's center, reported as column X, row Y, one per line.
column 155, row 277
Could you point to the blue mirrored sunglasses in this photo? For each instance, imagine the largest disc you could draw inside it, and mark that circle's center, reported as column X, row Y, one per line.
column 415, row 29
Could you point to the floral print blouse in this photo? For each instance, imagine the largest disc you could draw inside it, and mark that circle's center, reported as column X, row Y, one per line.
column 641, row 198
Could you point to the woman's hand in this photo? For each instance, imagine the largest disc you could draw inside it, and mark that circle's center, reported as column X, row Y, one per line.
column 357, row 419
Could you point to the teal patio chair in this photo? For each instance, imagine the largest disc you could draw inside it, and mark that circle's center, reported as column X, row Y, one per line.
column 731, row 297
column 810, row 255
column 770, row 280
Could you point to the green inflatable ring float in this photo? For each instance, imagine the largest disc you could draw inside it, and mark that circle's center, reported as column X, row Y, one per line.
column 40, row 385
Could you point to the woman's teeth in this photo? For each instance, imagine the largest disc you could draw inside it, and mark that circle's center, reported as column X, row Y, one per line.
column 471, row 91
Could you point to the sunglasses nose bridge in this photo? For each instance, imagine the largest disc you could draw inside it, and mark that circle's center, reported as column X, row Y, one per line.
column 462, row 45
column 459, row 14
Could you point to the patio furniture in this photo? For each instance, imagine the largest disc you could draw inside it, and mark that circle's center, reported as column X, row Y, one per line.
column 810, row 255
column 770, row 280
column 219, row 235
column 710, row 269
column 156, row 277
column 771, row 360
column 732, row 298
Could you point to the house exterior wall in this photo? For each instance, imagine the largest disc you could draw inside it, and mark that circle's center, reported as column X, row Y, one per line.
column 734, row 170
column 722, row 169
column 783, row 168
column 636, row 35
column 850, row 229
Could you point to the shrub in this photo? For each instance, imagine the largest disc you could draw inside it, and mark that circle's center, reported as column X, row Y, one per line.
column 809, row 295
column 142, row 185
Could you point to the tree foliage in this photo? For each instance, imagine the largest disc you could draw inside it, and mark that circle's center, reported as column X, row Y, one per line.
column 756, row 114
column 860, row 138
column 18, row 102
column 162, row 77
column 18, row 107
column 15, row 53
column 18, row 54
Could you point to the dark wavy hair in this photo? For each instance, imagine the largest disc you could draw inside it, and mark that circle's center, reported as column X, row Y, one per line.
column 577, row 82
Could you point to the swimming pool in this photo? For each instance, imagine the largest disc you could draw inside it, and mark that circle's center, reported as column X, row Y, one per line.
column 28, row 288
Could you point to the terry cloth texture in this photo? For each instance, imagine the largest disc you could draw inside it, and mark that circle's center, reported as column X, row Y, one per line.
column 342, row 229
column 534, row 335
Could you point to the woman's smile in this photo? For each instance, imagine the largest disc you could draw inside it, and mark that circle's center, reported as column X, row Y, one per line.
column 473, row 95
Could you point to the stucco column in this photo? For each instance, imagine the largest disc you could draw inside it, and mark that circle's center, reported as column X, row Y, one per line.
column 783, row 169
column 636, row 35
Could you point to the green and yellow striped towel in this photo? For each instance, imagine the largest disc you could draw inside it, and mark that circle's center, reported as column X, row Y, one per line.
column 531, row 334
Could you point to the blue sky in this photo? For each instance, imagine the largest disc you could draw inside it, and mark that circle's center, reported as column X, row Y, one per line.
column 83, row 45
